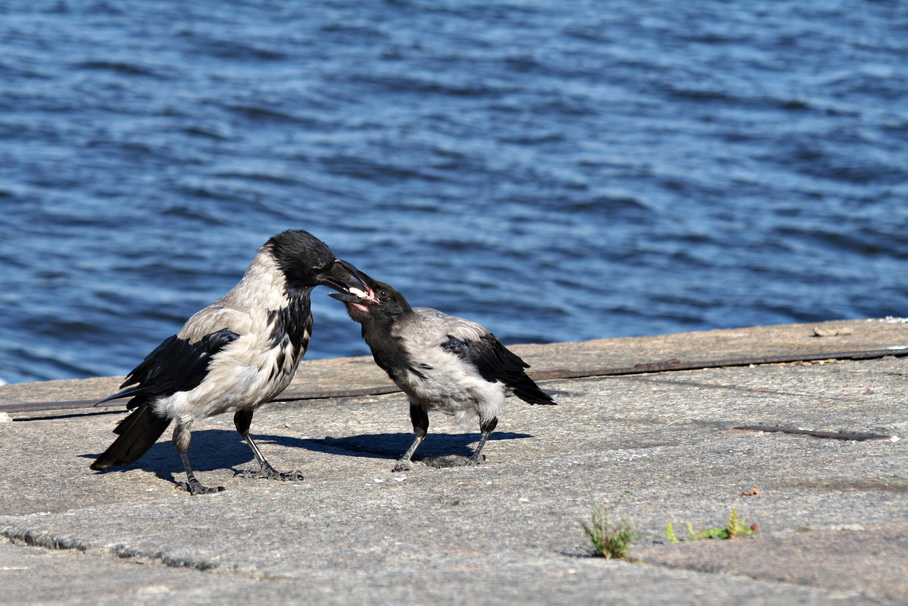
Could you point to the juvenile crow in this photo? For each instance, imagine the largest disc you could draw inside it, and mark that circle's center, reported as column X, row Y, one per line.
column 231, row 356
column 441, row 362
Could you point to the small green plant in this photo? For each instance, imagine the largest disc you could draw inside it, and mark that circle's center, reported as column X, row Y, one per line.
column 610, row 541
column 670, row 532
column 737, row 527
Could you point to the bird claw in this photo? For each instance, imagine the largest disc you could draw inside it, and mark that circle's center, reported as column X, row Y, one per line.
column 199, row 488
column 401, row 466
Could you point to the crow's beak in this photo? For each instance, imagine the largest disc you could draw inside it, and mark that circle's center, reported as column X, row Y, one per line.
column 347, row 297
column 348, row 281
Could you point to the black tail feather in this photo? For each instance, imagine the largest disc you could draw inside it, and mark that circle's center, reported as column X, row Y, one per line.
column 122, row 394
column 528, row 391
column 495, row 362
column 137, row 433
column 511, row 371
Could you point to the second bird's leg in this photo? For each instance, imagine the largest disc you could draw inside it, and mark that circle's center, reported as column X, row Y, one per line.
column 181, row 438
column 243, row 419
column 420, row 419
column 486, row 429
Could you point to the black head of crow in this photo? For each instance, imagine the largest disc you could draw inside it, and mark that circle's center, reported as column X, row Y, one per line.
column 441, row 362
column 306, row 262
column 379, row 305
column 231, row 356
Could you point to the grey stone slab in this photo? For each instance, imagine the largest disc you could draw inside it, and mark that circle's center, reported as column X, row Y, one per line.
column 32, row 575
column 871, row 561
column 353, row 532
column 331, row 376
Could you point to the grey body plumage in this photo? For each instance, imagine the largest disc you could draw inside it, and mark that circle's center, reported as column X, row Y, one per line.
column 231, row 356
column 441, row 362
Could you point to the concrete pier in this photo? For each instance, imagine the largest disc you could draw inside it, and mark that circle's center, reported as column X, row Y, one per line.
column 648, row 425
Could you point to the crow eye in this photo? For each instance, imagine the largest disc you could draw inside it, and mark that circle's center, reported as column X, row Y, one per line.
column 383, row 293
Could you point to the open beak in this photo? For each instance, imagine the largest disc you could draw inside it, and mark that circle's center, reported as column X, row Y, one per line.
column 348, row 281
column 347, row 297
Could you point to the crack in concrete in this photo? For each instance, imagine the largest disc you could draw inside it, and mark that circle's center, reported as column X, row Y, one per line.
column 52, row 542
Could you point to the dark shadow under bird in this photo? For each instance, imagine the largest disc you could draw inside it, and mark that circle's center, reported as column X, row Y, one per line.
column 231, row 356
column 441, row 362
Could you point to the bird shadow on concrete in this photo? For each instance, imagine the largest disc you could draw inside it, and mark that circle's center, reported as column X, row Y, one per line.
column 214, row 449
column 209, row 450
column 392, row 445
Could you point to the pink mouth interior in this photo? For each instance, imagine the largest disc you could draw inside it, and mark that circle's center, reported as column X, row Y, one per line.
column 370, row 295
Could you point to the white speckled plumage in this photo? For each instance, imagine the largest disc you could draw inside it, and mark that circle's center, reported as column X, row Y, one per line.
column 249, row 370
column 441, row 362
column 440, row 379
column 231, row 356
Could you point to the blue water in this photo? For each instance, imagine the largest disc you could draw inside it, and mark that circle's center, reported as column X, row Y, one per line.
column 554, row 170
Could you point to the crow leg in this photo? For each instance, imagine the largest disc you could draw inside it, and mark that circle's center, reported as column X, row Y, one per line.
column 243, row 419
column 420, row 420
column 486, row 429
column 181, row 438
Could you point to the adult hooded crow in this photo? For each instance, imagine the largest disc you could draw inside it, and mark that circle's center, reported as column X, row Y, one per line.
column 441, row 362
column 231, row 356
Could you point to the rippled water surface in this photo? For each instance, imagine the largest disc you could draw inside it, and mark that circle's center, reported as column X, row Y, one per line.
column 556, row 171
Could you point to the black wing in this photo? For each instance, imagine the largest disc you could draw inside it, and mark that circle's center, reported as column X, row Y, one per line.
column 174, row 365
column 496, row 362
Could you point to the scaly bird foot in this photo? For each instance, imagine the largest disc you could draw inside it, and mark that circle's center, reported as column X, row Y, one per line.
column 401, row 465
column 195, row 487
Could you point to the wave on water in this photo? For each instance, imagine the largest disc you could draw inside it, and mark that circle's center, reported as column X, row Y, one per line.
column 556, row 171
